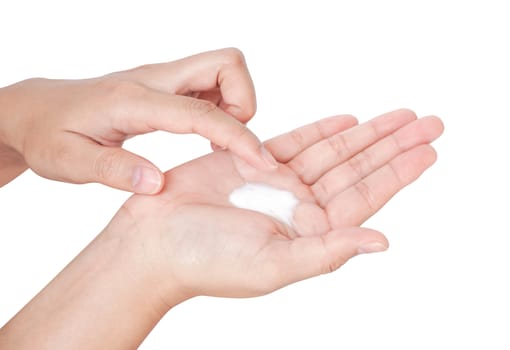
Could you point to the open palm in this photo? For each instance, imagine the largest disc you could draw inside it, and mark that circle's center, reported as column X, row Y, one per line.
column 341, row 174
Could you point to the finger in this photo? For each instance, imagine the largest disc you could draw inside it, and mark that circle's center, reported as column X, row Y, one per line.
column 213, row 96
column 363, row 199
column 111, row 166
column 225, row 69
column 325, row 155
column 287, row 146
column 306, row 257
column 155, row 110
column 421, row 131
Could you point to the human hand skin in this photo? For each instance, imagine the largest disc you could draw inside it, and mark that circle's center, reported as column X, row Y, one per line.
column 189, row 240
column 73, row 130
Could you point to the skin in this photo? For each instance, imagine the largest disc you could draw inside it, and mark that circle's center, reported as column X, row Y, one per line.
column 188, row 240
column 73, row 130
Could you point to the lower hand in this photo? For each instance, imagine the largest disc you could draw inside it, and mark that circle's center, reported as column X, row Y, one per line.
column 189, row 240
column 341, row 174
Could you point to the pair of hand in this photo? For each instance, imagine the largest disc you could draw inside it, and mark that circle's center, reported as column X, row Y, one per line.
column 187, row 239
column 341, row 172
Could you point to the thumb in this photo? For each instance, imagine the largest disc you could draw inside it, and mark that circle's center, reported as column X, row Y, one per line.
column 115, row 167
column 306, row 257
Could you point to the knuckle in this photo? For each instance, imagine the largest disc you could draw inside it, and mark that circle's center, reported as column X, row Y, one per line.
column 250, row 109
column 338, row 145
column 201, row 108
column 117, row 89
column 298, row 138
column 143, row 68
column 396, row 176
column 329, row 262
column 233, row 56
column 360, row 164
column 333, row 265
column 320, row 192
column 33, row 81
column 366, row 194
column 320, row 129
column 198, row 110
column 299, row 166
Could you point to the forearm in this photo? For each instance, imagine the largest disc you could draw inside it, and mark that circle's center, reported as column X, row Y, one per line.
column 12, row 163
column 106, row 298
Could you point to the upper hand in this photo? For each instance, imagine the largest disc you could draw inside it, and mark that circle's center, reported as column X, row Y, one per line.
column 73, row 130
column 341, row 174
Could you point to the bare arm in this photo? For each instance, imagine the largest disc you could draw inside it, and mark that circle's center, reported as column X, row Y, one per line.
column 106, row 298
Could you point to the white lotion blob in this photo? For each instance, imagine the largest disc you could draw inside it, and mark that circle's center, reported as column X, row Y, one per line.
column 265, row 199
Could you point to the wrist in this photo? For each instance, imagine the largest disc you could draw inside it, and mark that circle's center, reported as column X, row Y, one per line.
column 143, row 258
column 110, row 296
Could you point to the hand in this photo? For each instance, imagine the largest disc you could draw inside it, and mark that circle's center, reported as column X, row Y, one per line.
column 73, row 130
column 341, row 173
column 161, row 250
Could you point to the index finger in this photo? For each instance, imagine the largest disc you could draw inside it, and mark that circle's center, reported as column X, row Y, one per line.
column 144, row 110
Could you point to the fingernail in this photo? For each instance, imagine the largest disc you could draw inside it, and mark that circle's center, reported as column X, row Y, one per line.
column 371, row 247
column 146, row 180
column 268, row 158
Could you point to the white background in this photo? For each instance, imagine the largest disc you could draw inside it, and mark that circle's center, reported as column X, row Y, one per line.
column 443, row 284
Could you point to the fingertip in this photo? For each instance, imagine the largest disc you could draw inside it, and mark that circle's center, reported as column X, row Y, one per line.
column 437, row 125
column 371, row 241
column 405, row 113
column 424, row 154
column 269, row 162
column 358, row 240
column 147, row 180
column 256, row 155
column 348, row 119
column 338, row 122
column 351, row 120
column 372, row 247
column 433, row 155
